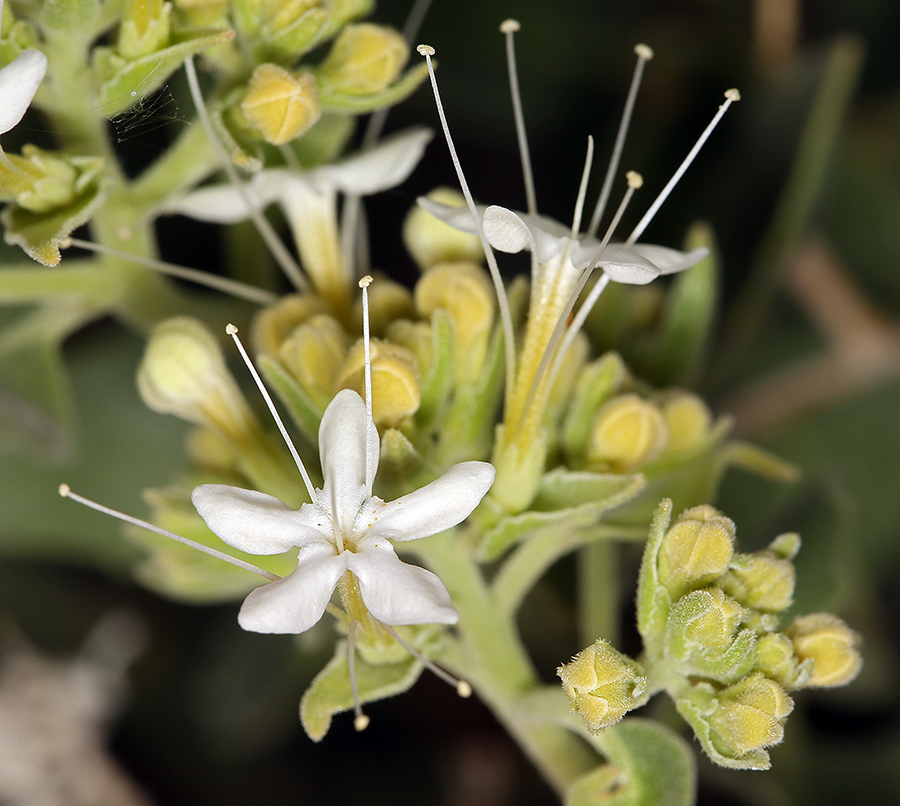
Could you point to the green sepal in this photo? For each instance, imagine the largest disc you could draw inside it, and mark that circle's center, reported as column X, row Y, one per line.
column 359, row 104
column 299, row 405
column 245, row 151
column 124, row 82
column 696, row 708
column 185, row 574
column 287, row 45
column 599, row 381
column 653, row 599
column 40, row 234
column 760, row 461
column 340, row 12
column 436, row 384
column 650, row 765
column 574, row 499
column 330, row 693
column 324, row 142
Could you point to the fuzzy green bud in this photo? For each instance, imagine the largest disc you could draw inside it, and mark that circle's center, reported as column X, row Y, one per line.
column 395, row 382
column 705, row 619
column 775, row 658
column 832, row 646
column 763, row 581
column 364, row 59
column 750, row 716
column 628, row 433
column 430, row 241
column 696, row 550
column 603, row 685
column 312, row 353
column 279, row 104
column 37, row 180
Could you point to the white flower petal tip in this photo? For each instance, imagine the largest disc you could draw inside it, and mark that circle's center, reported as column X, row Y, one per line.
column 458, row 217
column 19, row 81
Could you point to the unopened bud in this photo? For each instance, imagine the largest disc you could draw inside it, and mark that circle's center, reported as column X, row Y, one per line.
column 696, row 550
column 365, row 59
column 832, row 646
column 395, row 384
column 279, row 104
column 38, row 180
column 145, row 28
column 750, row 716
column 312, row 354
column 704, row 620
column 775, row 658
column 431, row 241
column 276, row 322
column 603, row 685
column 763, row 581
column 628, row 433
column 687, row 422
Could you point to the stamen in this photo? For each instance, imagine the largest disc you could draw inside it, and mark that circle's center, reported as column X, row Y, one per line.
column 461, row 686
column 730, row 97
column 582, row 187
column 502, row 302
column 66, row 492
column 284, row 259
column 510, row 27
column 370, row 424
column 644, row 54
column 223, row 284
column 232, row 331
column 360, row 720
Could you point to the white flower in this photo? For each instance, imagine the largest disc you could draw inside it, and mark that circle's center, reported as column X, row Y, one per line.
column 19, row 81
column 345, row 531
column 509, row 231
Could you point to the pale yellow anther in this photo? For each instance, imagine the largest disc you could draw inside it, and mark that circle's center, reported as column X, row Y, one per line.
column 425, row 50
column 64, row 490
column 231, row 329
column 634, row 179
column 645, row 52
column 366, row 281
column 509, row 26
column 361, row 722
column 463, row 689
column 733, row 95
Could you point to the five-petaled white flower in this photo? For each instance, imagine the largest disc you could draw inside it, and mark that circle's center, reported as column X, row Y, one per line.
column 346, row 530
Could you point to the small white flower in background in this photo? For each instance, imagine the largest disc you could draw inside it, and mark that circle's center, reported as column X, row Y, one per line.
column 19, row 81
column 346, row 530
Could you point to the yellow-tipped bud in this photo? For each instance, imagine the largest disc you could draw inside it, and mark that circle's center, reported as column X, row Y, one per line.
column 465, row 292
column 603, row 685
column 628, row 433
column 430, row 241
column 708, row 619
column 687, row 422
column 183, row 372
column 696, row 550
column 38, row 180
column 762, row 581
column 281, row 14
column 276, row 322
column 388, row 302
column 145, row 28
column 279, row 104
column 775, row 658
column 417, row 337
column 312, row 354
column 365, row 59
column 395, row 383
column 832, row 646
column 749, row 716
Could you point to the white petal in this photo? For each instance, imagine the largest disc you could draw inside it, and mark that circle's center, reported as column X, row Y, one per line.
column 258, row 523
column 342, row 448
column 458, row 217
column 297, row 602
column 19, row 81
column 445, row 502
column 380, row 168
column 398, row 593
column 669, row 261
column 506, row 231
column 225, row 204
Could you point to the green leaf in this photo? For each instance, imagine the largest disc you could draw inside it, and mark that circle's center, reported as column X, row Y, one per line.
column 650, row 765
column 652, row 598
column 330, row 692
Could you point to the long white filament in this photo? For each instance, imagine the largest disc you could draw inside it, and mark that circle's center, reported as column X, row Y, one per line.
column 232, row 331
column 66, row 492
column 370, row 424
column 509, row 28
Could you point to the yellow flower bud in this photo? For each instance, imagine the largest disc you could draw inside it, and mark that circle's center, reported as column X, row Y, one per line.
column 775, row 658
column 603, row 685
column 431, row 241
column 628, row 433
column 38, row 180
column 749, row 716
column 144, row 28
column 465, row 292
column 761, row 580
column 281, row 14
column 417, row 337
column 395, row 383
column 832, row 645
column 312, row 353
column 687, row 422
column 279, row 104
column 365, row 59
column 696, row 550
column 183, row 372
column 275, row 322
column 712, row 618
column 388, row 301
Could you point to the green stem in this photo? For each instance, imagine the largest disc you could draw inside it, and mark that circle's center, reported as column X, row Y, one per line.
column 598, row 590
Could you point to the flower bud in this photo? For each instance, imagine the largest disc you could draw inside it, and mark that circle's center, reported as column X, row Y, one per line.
column 465, row 292
column 431, row 241
column 279, row 104
column 183, row 373
column 418, row 338
column 750, row 716
column 696, row 550
column 395, row 382
column 704, row 620
column 761, row 580
column 312, row 353
column 364, row 59
column 603, row 685
column 388, row 302
column 145, row 28
column 687, row 422
column 775, row 658
column 275, row 322
column 37, row 180
column 832, row 646
column 628, row 433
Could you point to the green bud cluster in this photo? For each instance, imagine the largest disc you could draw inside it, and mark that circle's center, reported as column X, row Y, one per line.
column 710, row 619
